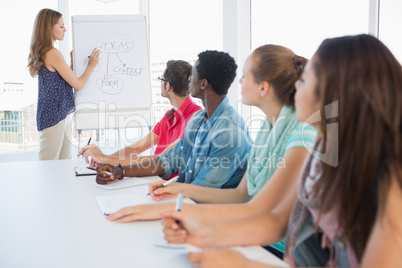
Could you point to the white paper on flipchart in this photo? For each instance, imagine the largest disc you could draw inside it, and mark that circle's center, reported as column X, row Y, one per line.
column 112, row 203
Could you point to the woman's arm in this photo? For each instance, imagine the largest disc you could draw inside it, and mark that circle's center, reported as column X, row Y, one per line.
column 262, row 229
column 56, row 61
column 283, row 178
column 283, row 181
column 206, row 213
column 384, row 247
column 224, row 258
column 203, row 194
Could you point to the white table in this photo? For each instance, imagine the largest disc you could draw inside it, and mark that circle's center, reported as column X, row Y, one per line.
column 50, row 218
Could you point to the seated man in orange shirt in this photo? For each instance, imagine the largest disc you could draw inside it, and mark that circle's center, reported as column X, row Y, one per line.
column 167, row 132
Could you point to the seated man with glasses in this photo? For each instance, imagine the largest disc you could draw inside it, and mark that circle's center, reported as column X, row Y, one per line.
column 167, row 132
column 215, row 148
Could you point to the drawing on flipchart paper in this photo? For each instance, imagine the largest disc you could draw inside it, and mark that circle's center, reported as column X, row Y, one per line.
column 111, row 47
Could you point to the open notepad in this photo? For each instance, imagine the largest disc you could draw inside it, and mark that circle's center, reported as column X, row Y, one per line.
column 112, row 203
column 84, row 171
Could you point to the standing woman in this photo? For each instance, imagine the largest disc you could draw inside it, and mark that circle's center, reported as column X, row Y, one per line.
column 56, row 81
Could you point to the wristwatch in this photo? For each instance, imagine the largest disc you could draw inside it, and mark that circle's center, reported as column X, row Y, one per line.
column 122, row 170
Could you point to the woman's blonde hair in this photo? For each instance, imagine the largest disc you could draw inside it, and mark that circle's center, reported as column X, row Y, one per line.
column 280, row 67
column 42, row 39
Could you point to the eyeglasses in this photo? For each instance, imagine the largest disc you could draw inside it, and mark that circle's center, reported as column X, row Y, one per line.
column 161, row 79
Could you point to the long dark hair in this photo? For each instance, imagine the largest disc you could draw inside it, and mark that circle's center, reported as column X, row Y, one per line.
column 365, row 78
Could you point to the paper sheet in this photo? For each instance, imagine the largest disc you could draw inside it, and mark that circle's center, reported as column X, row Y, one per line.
column 112, row 203
column 248, row 252
column 124, row 183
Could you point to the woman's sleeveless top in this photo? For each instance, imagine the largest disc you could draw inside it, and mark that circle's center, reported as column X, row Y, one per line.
column 55, row 99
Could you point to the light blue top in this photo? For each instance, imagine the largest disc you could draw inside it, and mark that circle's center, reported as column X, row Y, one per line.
column 272, row 143
column 213, row 152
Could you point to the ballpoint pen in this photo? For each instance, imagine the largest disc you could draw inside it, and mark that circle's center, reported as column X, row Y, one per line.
column 179, row 202
column 107, row 172
column 110, row 173
column 89, row 141
column 179, row 205
column 172, row 180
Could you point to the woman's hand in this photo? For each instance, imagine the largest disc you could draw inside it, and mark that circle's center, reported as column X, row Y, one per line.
column 218, row 258
column 71, row 58
column 140, row 212
column 180, row 227
column 94, row 58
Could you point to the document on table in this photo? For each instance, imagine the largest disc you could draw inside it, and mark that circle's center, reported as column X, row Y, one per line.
column 112, row 203
column 248, row 252
column 124, row 183
column 84, row 171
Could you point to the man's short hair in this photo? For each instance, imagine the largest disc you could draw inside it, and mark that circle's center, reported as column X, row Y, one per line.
column 219, row 68
column 177, row 73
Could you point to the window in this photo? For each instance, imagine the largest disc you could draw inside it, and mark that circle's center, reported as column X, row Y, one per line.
column 18, row 89
column 302, row 25
column 17, row 21
column 390, row 26
column 96, row 7
column 179, row 30
column 11, row 127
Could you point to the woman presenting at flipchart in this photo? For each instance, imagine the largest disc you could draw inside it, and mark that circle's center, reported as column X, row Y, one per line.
column 56, row 81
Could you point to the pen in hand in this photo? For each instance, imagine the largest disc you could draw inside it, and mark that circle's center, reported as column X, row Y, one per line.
column 107, row 173
column 89, row 141
column 179, row 205
column 179, row 202
column 172, row 180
